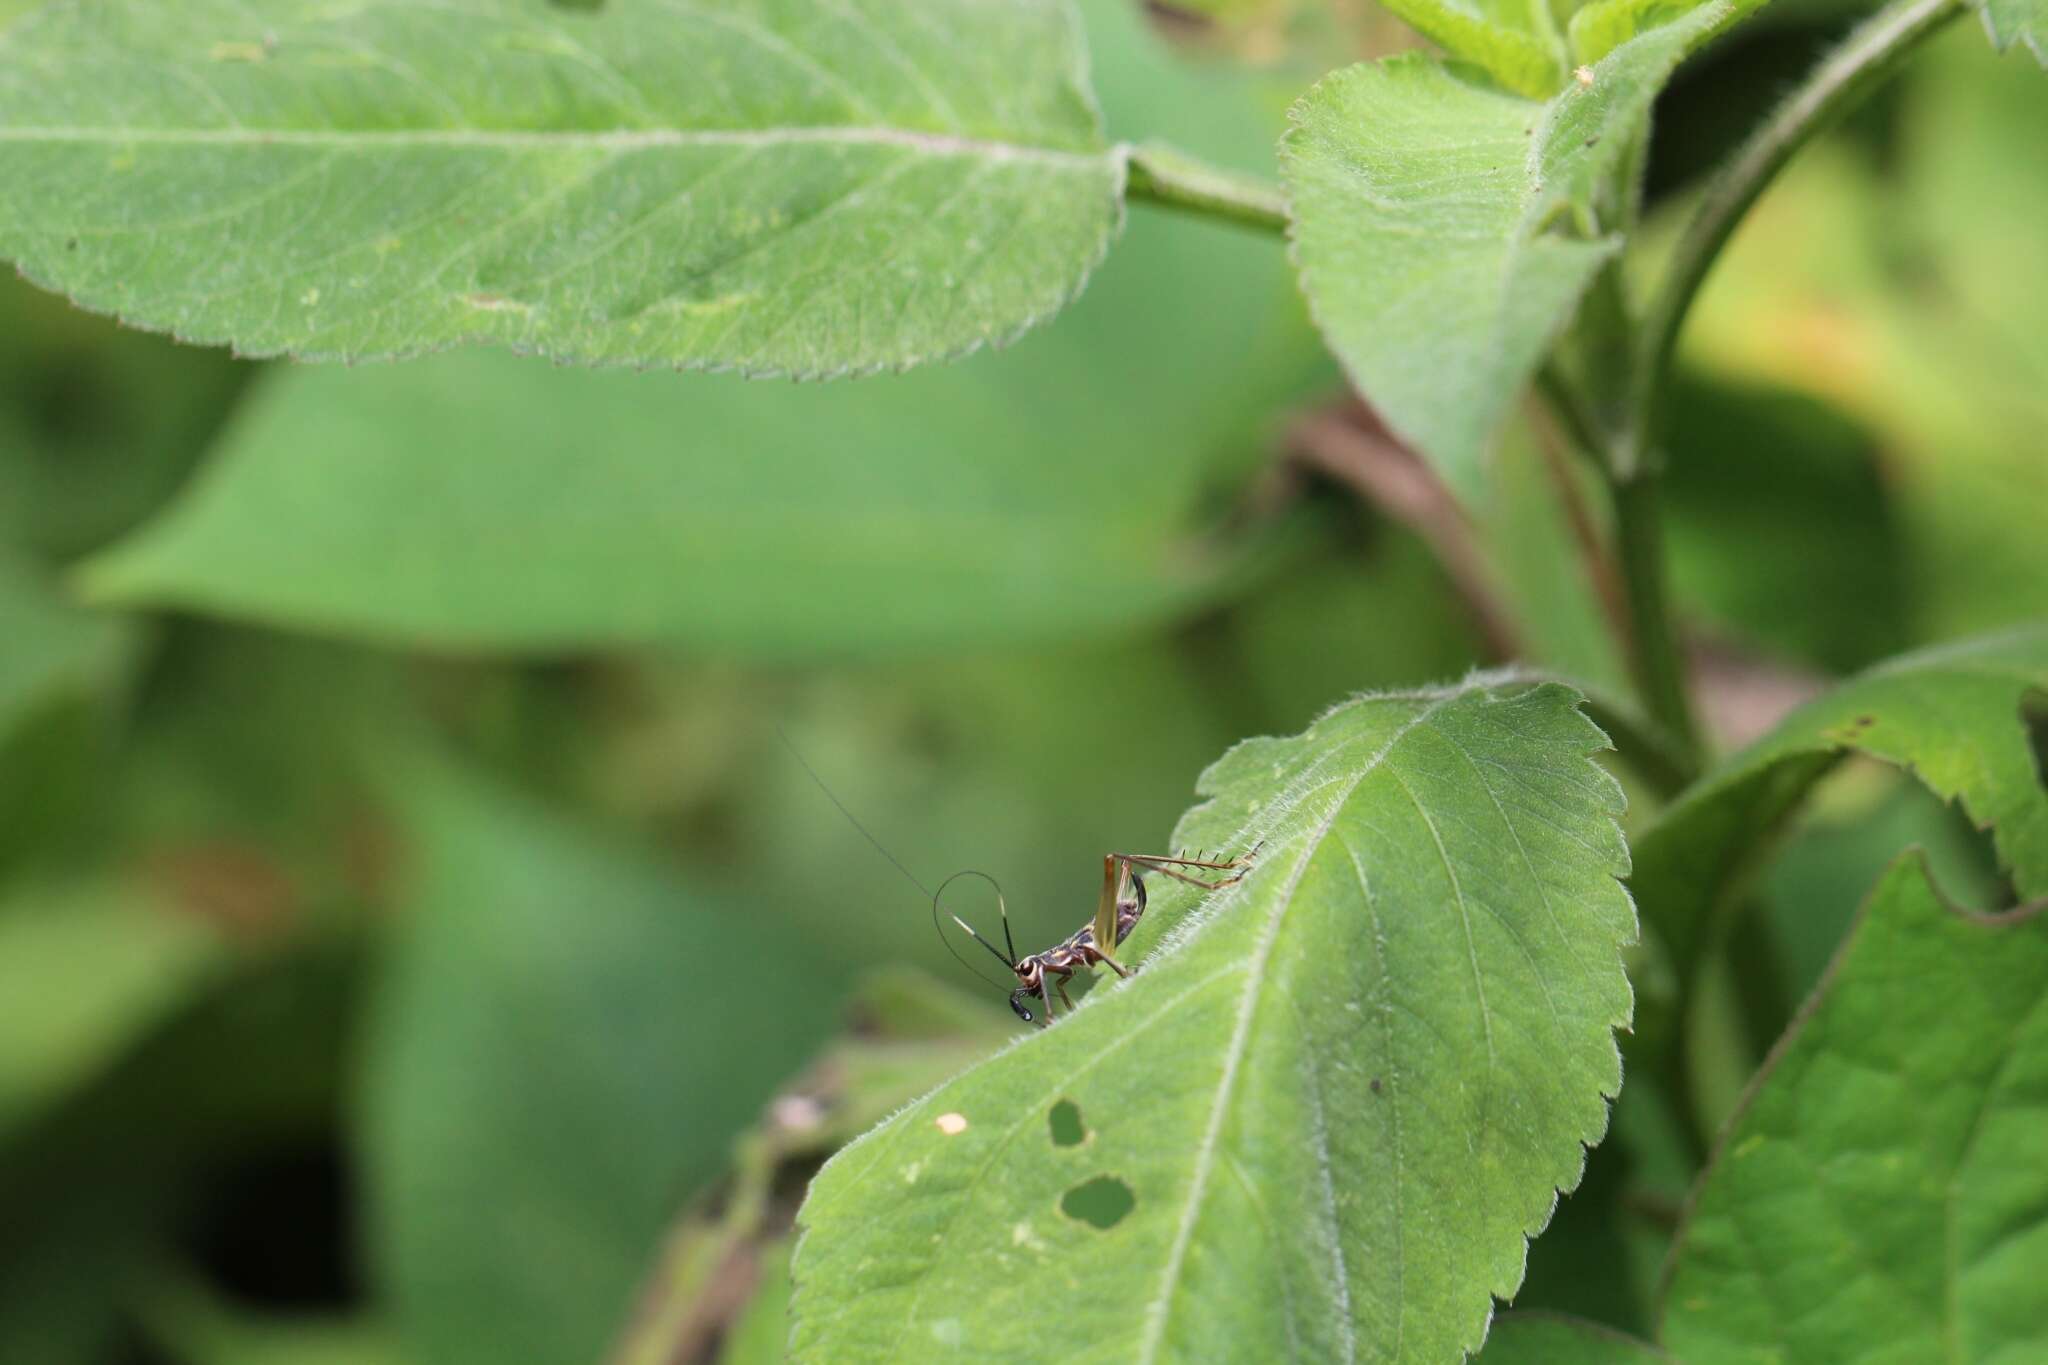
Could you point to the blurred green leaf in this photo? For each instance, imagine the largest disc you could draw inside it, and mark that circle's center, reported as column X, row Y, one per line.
column 761, row 1336
column 86, row 970
column 192, row 1325
column 1290, row 1099
column 1072, row 485
column 47, row 647
column 1445, row 231
column 635, row 184
column 1952, row 715
column 567, row 1040
column 98, row 424
column 1539, row 1339
column 1881, row 1194
column 1908, row 294
column 911, row 1032
column 62, row 672
column 93, row 1190
column 1782, row 530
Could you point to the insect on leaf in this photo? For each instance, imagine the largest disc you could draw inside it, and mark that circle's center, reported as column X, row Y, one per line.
column 1323, row 1119
column 805, row 187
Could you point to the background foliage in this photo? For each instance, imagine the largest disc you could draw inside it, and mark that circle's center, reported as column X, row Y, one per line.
column 411, row 951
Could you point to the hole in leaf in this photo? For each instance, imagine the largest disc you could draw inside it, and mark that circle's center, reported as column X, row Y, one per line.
column 1102, row 1202
column 1066, row 1125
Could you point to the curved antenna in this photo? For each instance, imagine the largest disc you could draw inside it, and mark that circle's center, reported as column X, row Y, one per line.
column 852, row 819
column 1001, row 909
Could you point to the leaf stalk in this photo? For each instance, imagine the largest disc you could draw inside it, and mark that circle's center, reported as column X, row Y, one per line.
column 1166, row 175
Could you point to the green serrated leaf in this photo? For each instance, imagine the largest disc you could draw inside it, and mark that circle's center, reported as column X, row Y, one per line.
column 1881, row 1194
column 2016, row 21
column 991, row 501
column 1444, row 231
column 1323, row 1118
column 1541, row 1339
column 807, row 187
column 1955, row 716
column 1526, row 60
column 1602, row 26
column 566, row 1042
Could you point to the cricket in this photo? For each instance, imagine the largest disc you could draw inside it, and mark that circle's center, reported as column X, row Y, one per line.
column 1117, row 912
column 1118, row 909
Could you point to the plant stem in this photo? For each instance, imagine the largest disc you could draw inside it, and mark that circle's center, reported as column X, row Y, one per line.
column 1167, row 175
column 1865, row 59
column 1654, row 654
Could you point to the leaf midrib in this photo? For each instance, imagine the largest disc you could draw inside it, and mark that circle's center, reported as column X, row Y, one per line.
column 1255, row 978
column 607, row 140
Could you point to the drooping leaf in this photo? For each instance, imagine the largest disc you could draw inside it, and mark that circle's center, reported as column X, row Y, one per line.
column 1881, row 1194
column 1323, row 1118
column 1444, row 231
column 1956, row 716
column 1075, row 484
column 808, row 187
column 1541, row 1339
column 567, row 1041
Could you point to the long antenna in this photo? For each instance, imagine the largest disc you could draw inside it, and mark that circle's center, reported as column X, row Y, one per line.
column 854, row 820
column 804, row 763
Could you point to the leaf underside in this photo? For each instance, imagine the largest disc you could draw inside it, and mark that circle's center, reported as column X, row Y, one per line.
column 1955, row 716
column 1339, row 1097
column 805, row 187
column 1444, row 231
column 1881, row 1195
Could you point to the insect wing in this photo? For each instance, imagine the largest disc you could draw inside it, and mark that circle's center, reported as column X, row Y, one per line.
column 1113, row 873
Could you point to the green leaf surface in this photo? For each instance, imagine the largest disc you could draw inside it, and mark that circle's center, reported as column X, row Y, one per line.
column 1541, row 1339
column 1444, row 231
column 807, row 187
column 1881, row 1195
column 2017, row 21
column 567, row 1041
column 1072, row 485
column 1337, row 1099
column 1955, row 716
column 1516, row 44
